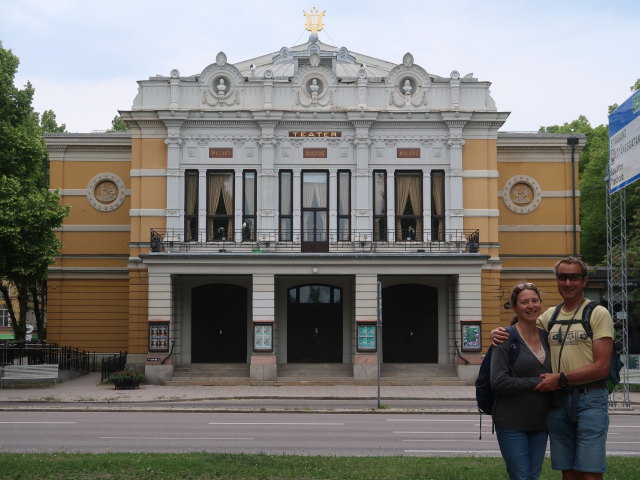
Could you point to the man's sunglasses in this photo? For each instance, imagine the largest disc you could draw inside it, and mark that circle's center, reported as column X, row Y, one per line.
column 563, row 277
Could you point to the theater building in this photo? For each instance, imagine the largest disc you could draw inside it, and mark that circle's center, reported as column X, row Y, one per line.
column 258, row 213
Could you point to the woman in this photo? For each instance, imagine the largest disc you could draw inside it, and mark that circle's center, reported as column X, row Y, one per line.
column 520, row 413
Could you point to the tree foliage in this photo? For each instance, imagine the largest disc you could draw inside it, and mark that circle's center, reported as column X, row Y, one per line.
column 118, row 125
column 28, row 210
column 22, row 149
column 28, row 243
column 48, row 123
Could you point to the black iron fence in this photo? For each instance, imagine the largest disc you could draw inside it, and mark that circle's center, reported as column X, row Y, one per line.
column 112, row 364
column 67, row 358
column 291, row 241
column 41, row 353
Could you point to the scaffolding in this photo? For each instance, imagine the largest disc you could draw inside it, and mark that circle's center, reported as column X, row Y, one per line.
column 617, row 284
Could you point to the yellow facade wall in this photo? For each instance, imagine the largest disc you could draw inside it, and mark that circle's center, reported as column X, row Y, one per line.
column 138, row 308
column 88, row 313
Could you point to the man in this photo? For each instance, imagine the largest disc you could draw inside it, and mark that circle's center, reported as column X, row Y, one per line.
column 579, row 420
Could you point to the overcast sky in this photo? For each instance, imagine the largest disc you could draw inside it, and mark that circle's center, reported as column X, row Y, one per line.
column 548, row 61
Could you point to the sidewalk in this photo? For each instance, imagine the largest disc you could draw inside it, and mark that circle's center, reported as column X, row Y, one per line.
column 88, row 390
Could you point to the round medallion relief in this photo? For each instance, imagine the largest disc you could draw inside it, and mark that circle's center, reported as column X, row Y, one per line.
column 106, row 192
column 522, row 194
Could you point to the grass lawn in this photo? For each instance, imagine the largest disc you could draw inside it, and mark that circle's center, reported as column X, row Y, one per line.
column 200, row 466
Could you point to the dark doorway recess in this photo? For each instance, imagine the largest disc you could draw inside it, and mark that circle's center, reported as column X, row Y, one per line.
column 219, row 324
column 410, row 324
column 314, row 324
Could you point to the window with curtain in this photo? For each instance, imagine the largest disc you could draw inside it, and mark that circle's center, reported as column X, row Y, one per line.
column 437, row 206
column 249, row 205
column 408, row 206
column 344, row 205
column 219, row 205
column 286, row 206
column 380, row 206
column 314, row 206
column 191, row 206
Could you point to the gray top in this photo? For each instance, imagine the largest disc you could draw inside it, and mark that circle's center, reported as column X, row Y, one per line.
column 517, row 406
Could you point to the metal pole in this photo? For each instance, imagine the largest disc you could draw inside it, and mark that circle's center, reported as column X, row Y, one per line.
column 379, row 333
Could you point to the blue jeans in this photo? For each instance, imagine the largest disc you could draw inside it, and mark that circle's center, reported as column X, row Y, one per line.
column 580, row 445
column 523, row 452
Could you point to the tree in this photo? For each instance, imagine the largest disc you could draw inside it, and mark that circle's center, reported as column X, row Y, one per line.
column 22, row 149
column 118, row 125
column 48, row 123
column 28, row 210
column 28, row 243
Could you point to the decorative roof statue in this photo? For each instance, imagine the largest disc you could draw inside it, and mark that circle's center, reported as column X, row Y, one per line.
column 314, row 20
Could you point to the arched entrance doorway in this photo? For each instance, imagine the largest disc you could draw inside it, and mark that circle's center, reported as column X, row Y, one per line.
column 314, row 324
column 410, row 324
column 219, row 324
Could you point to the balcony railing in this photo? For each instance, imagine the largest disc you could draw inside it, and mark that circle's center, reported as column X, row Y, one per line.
column 272, row 241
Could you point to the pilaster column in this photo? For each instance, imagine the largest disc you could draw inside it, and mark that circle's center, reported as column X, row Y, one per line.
column 174, row 204
column 263, row 363
column 365, row 364
column 267, row 184
column 363, row 205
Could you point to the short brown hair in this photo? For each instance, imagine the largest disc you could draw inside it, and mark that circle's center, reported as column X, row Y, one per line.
column 575, row 261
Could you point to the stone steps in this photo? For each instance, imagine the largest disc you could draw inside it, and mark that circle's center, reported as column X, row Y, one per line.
column 292, row 374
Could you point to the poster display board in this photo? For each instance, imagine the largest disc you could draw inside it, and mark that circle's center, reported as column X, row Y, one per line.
column 624, row 144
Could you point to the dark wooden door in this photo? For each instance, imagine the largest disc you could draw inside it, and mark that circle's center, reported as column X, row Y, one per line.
column 219, row 324
column 314, row 330
column 409, row 324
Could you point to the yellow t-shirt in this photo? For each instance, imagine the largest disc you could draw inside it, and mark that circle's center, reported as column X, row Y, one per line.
column 578, row 347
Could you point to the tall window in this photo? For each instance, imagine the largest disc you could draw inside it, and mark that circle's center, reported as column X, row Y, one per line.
column 379, row 205
column 4, row 317
column 315, row 200
column 191, row 205
column 437, row 206
column 286, row 205
column 219, row 205
column 344, row 205
column 249, row 205
column 408, row 206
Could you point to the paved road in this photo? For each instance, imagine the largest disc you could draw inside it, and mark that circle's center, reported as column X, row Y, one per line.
column 361, row 434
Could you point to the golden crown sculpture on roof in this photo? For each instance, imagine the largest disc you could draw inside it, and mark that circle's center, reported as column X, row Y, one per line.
column 314, row 19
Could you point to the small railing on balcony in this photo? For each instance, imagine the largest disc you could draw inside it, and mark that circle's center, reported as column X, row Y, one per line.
column 273, row 241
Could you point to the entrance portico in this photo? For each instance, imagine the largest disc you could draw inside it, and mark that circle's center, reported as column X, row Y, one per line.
column 221, row 309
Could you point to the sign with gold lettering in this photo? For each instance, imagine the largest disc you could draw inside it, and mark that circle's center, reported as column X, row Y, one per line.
column 315, row 134
column 221, row 153
column 408, row 153
column 314, row 153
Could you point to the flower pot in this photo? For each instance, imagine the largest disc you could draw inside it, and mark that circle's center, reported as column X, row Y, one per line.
column 126, row 384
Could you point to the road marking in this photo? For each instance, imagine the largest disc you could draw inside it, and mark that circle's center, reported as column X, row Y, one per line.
column 41, row 423
column 426, row 420
column 458, row 452
column 440, row 440
column 175, row 438
column 278, row 423
column 437, row 433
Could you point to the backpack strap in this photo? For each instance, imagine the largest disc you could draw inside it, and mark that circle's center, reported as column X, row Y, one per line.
column 514, row 345
column 585, row 320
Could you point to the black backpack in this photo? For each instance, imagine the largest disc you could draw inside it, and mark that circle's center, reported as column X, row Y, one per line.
column 616, row 364
column 485, row 395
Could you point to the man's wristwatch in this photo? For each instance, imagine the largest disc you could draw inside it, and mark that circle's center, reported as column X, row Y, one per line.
column 564, row 382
